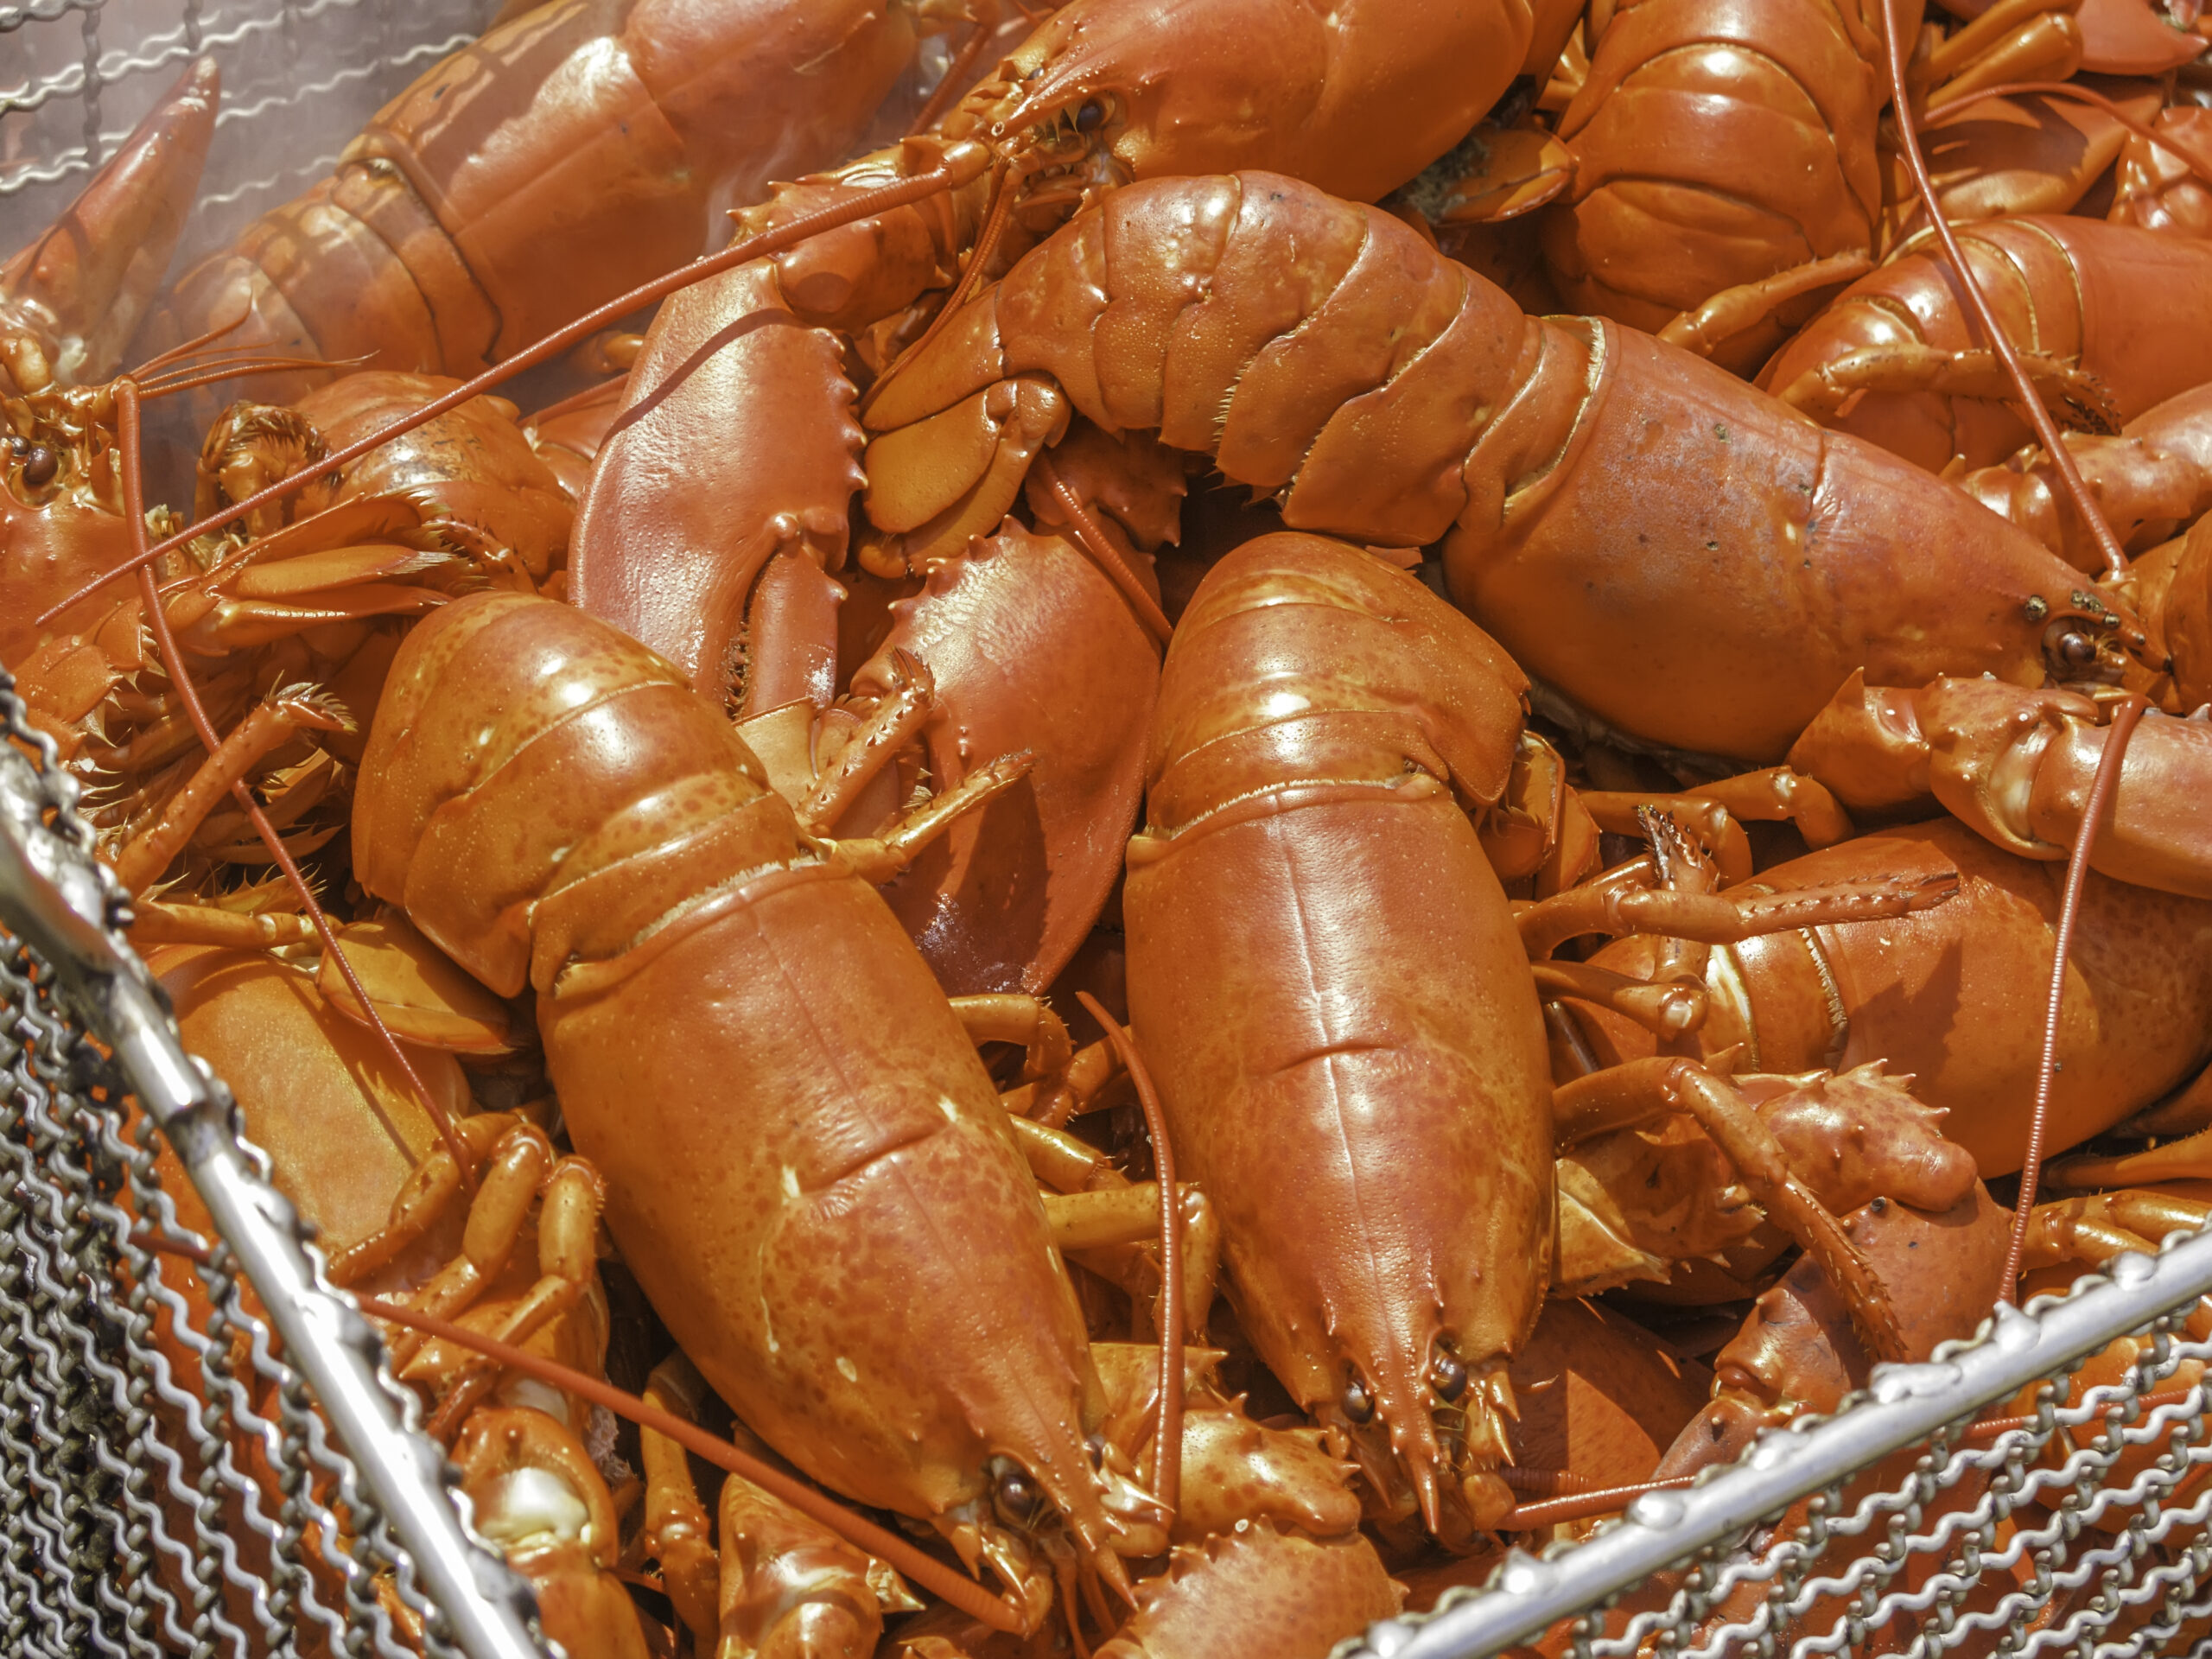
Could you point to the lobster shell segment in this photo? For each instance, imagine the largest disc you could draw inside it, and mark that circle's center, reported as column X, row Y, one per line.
column 807, row 1166
column 1717, row 143
column 1324, row 977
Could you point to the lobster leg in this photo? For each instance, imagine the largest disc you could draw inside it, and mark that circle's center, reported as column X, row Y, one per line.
column 269, row 725
column 508, row 1186
column 677, row 1533
column 897, row 716
column 1051, row 1102
column 1666, row 1008
column 879, row 857
column 1737, row 310
column 1011, row 1017
column 2093, row 1229
column 160, row 923
column 1539, row 829
column 1831, row 389
column 1644, row 1088
column 782, row 1582
column 2187, row 1159
column 1772, row 795
column 567, row 1264
column 1719, row 919
column 428, row 1193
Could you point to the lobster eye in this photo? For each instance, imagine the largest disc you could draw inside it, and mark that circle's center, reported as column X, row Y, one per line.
column 1359, row 1404
column 2076, row 646
column 1015, row 1496
column 40, row 465
column 1091, row 117
column 1447, row 1375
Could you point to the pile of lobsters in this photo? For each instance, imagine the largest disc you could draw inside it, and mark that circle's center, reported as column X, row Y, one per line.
column 1191, row 808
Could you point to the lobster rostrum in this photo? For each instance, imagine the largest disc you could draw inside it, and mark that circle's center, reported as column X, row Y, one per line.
column 1643, row 532
column 788, row 1115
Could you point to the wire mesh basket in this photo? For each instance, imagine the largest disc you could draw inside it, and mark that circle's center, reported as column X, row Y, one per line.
column 202, row 1453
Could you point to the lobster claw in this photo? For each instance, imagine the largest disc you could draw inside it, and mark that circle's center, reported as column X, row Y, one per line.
column 70, row 301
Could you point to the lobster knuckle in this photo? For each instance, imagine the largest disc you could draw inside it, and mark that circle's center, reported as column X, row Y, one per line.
column 1990, row 746
column 952, row 477
column 1866, row 747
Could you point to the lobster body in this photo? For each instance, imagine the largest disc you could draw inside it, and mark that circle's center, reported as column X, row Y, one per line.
column 1670, row 548
column 1954, row 994
column 791, row 1118
column 1369, row 1112
column 576, row 151
column 1716, row 144
column 2106, row 313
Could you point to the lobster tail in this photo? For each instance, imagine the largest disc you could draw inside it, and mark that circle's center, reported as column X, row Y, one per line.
column 1738, row 139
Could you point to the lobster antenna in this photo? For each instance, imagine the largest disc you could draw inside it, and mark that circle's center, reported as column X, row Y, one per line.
column 862, row 205
column 1103, row 553
column 924, row 1569
column 2130, row 710
column 1990, row 1428
column 2031, row 402
column 1167, row 1435
column 189, row 346
column 134, row 512
column 1580, row 1506
column 2188, row 158
column 207, row 374
column 963, row 65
